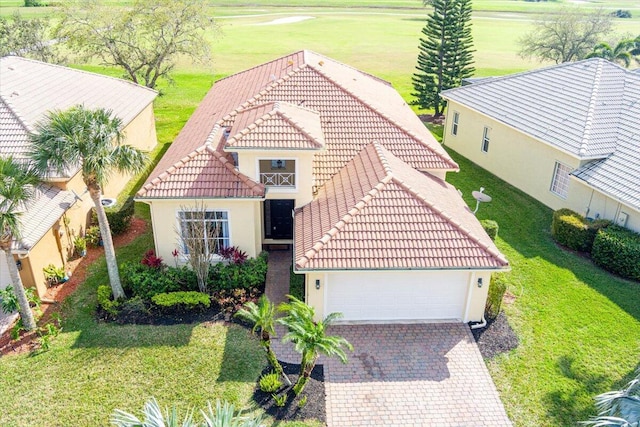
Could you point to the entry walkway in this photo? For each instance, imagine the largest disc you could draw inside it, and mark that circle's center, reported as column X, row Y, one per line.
column 400, row 375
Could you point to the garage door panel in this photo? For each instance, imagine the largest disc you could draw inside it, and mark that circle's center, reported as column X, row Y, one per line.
column 397, row 295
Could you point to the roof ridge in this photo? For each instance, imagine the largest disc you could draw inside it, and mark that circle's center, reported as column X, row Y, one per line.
column 449, row 219
column 591, row 110
column 299, row 127
column 382, row 157
column 253, row 185
column 344, row 220
column 384, row 116
column 247, row 129
column 129, row 82
column 307, row 51
column 15, row 114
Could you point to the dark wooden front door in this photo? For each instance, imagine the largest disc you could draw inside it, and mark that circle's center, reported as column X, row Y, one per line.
column 278, row 219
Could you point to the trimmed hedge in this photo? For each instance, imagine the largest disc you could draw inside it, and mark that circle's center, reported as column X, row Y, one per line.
column 145, row 282
column 249, row 274
column 104, row 300
column 119, row 218
column 497, row 288
column 572, row 230
column 182, row 300
column 617, row 250
column 491, row 227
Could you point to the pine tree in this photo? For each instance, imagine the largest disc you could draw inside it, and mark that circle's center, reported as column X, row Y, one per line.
column 446, row 53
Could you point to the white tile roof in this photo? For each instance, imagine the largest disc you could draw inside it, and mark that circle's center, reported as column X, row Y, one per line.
column 590, row 109
column 29, row 89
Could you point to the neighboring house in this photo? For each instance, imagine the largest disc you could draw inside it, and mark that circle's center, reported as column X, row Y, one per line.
column 376, row 230
column 567, row 135
column 28, row 91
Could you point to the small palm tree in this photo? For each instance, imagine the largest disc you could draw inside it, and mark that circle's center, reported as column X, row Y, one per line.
column 224, row 415
column 621, row 53
column 90, row 140
column 262, row 316
column 17, row 186
column 620, row 408
column 310, row 338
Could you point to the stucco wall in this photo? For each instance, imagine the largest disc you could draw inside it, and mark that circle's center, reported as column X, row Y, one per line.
column 591, row 203
column 521, row 160
column 475, row 298
column 244, row 224
column 49, row 250
column 248, row 164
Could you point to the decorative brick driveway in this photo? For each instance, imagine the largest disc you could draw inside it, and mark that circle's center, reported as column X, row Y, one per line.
column 418, row 374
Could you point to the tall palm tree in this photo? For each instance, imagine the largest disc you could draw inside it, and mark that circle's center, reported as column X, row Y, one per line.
column 17, row 185
column 621, row 53
column 262, row 316
column 310, row 338
column 91, row 140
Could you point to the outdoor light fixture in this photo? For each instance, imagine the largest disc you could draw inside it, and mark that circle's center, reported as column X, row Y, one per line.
column 480, row 282
column 317, row 283
column 19, row 265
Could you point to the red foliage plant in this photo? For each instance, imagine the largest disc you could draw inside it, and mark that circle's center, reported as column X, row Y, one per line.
column 151, row 260
column 233, row 254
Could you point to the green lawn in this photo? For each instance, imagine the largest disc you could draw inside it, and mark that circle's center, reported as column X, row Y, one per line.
column 579, row 327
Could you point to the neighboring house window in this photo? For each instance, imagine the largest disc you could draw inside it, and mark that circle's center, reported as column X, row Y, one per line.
column 456, row 120
column 485, row 140
column 210, row 226
column 560, row 182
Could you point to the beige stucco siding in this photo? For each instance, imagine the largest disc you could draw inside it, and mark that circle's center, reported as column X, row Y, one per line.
column 51, row 249
column 243, row 215
column 594, row 204
column 519, row 159
column 249, row 163
column 473, row 298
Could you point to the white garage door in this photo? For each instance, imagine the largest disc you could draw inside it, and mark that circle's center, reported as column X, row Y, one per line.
column 385, row 296
column 4, row 271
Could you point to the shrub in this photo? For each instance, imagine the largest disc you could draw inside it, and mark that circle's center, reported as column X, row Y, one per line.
column 621, row 13
column 182, row 300
column 248, row 274
column 9, row 300
column 491, row 227
column 270, row 383
column 134, row 305
column 617, row 249
column 145, row 282
column 53, row 275
column 151, row 260
column 497, row 288
column 80, row 245
column 104, row 300
column 119, row 218
column 92, row 236
column 232, row 300
column 572, row 230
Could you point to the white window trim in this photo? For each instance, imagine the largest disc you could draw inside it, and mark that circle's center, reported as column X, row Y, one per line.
column 486, row 138
column 182, row 257
column 275, row 189
column 557, row 166
column 455, row 123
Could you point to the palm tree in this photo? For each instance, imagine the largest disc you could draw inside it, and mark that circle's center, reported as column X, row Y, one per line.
column 262, row 316
column 224, row 415
column 310, row 338
column 90, row 140
column 620, row 408
column 621, row 53
column 17, row 185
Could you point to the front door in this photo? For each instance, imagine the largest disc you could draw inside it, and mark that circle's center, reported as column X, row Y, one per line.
column 278, row 219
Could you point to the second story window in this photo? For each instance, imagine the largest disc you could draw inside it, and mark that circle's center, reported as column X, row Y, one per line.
column 485, row 140
column 455, row 122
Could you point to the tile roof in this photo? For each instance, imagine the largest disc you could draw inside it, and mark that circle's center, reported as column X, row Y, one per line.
column 379, row 213
column 355, row 108
column 204, row 172
column 46, row 208
column 575, row 106
column 276, row 125
column 29, row 89
column 590, row 109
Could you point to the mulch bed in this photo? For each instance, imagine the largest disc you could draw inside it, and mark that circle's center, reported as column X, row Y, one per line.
column 496, row 338
column 156, row 317
column 314, row 408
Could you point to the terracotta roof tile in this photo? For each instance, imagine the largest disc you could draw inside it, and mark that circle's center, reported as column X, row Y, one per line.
column 355, row 109
column 377, row 212
column 205, row 172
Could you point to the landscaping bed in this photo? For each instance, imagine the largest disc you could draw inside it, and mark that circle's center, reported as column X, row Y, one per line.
column 293, row 410
column 496, row 338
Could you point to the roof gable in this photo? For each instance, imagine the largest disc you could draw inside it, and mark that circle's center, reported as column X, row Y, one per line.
column 378, row 212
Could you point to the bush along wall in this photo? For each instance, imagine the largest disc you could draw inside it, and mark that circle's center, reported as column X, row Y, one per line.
column 617, row 250
column 572, row 230
column 491, row 227
column 119, row 218
column 497, row 288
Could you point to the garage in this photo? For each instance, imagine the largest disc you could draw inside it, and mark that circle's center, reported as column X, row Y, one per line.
column 400, row 295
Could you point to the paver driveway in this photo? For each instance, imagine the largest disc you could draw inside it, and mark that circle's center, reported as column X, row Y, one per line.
column 416, row 374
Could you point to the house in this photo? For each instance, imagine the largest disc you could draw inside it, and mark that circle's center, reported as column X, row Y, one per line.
column 29, row 89
column 310, row 152
column 567, row 135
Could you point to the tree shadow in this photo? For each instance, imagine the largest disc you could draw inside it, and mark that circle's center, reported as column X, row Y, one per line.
column 243, row 358
column 106, row 335
column 574, row 401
